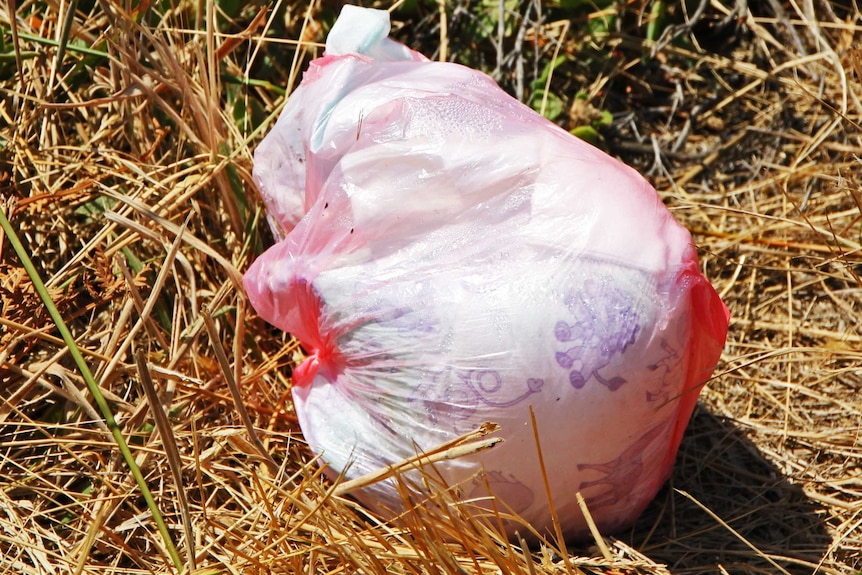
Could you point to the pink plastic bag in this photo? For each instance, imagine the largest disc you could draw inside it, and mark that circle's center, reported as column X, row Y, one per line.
column 449, row 257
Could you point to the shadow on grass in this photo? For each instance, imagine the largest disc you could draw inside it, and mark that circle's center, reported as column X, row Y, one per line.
column 719, row 467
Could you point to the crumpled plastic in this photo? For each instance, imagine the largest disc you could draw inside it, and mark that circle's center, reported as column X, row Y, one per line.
column 448, row 257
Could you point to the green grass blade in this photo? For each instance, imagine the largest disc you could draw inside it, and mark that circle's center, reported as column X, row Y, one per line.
column 68, row 19
column 68, row 48
column 39, row 285
column 13, row 23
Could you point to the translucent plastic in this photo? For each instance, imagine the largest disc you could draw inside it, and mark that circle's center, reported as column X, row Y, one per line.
column 449, row 257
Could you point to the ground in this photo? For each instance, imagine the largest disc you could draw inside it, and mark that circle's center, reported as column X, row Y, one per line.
column 126, row 140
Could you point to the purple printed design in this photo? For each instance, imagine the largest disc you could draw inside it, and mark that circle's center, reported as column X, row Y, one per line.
column 488, row 386
column 667, row 366
column 623, row 474
column 516, row 496
column 605, row 323
column 407, row 321
column 406, row 318
column 453, row 395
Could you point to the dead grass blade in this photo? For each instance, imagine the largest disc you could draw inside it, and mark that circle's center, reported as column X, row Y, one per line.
column 228, row 375
column 466, row 444
column 171, row 451
column 196, row 243
column 597, row 536
column 561, row 542
column 735, row 533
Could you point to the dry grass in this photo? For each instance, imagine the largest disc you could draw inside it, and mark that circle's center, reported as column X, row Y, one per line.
column 125, row 169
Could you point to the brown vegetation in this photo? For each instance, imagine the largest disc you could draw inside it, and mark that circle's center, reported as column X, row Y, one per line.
column 126, row 132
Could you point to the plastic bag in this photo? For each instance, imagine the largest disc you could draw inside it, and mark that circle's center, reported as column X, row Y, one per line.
column 449, row 257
